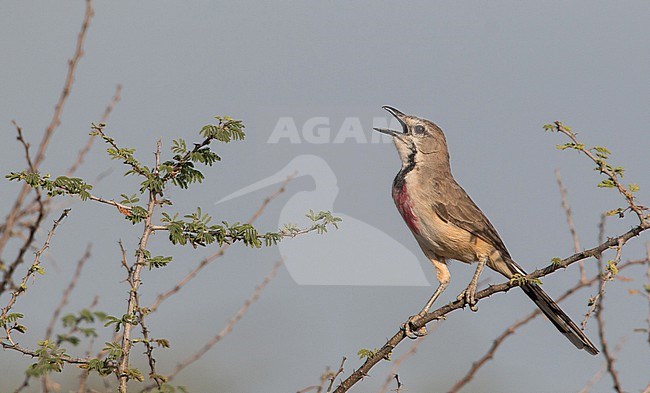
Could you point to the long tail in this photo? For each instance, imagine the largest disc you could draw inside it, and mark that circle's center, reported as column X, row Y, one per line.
column 561, row 321
column 553, row 312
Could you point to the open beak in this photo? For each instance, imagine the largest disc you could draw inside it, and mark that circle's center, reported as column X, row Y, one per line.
column 400, row 117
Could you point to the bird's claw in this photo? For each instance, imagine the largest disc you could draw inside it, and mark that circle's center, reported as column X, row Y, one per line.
column 408, row 327
column 468, row 297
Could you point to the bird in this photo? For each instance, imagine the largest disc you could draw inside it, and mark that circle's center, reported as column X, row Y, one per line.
column 343, row 256
column 448, row 225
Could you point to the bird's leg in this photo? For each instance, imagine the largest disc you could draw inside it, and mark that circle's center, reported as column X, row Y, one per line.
column 442, row 273
column 469, row 294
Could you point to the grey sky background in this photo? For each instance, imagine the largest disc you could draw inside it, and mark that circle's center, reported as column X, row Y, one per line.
column 489, row 74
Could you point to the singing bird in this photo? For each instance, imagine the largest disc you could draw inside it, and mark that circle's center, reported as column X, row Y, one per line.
column 447, row 224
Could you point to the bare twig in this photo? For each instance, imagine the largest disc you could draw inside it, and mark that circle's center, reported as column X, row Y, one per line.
column 336, row 374
column 24, row 385
column 227, row 329
column 594, row 302
column 399, row 384
column 123, row 260
column 34, row 268
column 324, row 377
column 569, row 221
column 91, row 139
column 39, row 207
column 54, row 123
column 148, row 346
column 67, row 292
column 647, row 288
column 398, row 362
column 26, row 146
column 7, row 281
column 610, row 357
column 388, row 347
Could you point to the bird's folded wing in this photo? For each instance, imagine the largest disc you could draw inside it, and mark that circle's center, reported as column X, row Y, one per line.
column 459, row 209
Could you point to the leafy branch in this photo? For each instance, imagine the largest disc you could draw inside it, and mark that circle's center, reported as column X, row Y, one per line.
column 600, row 155
column 196, row 230
column 441, row 312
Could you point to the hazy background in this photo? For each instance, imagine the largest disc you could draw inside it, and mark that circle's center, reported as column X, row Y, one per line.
column 489, row 74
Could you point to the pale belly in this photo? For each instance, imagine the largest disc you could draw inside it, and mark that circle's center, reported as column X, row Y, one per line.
column 447, row 240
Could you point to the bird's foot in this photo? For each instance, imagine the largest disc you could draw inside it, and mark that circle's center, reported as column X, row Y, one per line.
column 408, row 327
column 468, row 296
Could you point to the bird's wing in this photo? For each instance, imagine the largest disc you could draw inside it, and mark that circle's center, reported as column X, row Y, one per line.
column 459, row 209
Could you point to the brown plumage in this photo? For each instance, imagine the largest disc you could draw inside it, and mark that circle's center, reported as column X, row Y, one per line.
column 447, row 224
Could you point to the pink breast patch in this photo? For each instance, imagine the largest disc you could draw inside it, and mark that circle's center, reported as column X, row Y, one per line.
column 403, row 203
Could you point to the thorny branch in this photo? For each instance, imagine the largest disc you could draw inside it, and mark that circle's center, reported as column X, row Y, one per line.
column 594, row 302
column 328, row 375
column 600, row 297
column 134, row 282
column 511, row 330
column 388, row 347
column 398, row 362
column 148, row 345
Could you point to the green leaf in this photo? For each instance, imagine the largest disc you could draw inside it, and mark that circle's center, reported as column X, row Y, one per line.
column 69, row 320
column 367, row 353
column 134, row 373
column 612, row 268
column 162, row 342
column 614, row 212
column 158, row 262
column 179, row 146
column 10, row 318
column 113, row 320
column 61, row 338
column 549, row 127
column 113, row 349
column 607, row 183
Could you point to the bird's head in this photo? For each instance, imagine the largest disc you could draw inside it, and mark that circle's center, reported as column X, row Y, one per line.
column 420, row 140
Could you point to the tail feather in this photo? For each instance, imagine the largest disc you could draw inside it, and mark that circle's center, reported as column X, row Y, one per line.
column 559, row 318
column 508, row 267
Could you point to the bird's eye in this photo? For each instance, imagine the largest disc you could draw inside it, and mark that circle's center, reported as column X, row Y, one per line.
column 419, row 129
